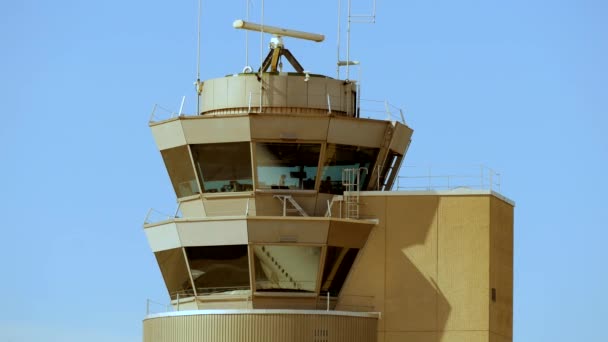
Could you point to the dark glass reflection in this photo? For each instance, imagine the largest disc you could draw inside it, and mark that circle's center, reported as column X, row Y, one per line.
column 219, row 269
column 286, row 268
column 338, row 262
column 287, row 166
column 178, row 164
column 223, row 167
column 175, row 273
column 340, row 157
column 387, row 171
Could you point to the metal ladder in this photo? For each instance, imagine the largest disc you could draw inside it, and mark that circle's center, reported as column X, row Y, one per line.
column 296, row 207
column 351, row 181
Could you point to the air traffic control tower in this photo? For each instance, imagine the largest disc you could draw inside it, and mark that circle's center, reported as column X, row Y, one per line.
column 289, row 230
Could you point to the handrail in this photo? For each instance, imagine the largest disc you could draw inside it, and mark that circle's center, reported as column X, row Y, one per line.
column 446, row 177
column 380, row 109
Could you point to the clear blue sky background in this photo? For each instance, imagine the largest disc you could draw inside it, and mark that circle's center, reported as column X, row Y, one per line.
column 519, row 85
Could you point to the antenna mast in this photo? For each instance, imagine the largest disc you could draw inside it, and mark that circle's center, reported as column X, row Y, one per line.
column 363, row 19
column 199, row 85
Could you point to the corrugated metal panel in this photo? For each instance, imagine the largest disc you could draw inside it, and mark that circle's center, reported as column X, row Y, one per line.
column 260, row 328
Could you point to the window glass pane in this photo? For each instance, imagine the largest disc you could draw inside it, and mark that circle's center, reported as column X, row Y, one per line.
column 287, row 166
column 339, row 157
column 175, row 273
column 219, row 269
column 286, row 268
column 223, row 167
column 338, row 263
column 387, row 169
column 178, row 164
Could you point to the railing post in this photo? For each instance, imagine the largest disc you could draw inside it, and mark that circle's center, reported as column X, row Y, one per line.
column 148, row 215
column 152, row 114
column 179, row 204
column 249, row 108
column 430, row 179
column 181, row 107
column 177, row 301
column 388, row 111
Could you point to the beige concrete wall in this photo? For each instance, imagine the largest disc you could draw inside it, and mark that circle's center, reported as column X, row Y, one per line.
column 429, row 267
column 280, row 90
column 501, row 269
column 463, row 261
column 260, row 328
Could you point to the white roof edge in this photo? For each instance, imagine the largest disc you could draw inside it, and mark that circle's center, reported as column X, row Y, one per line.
column 453, row 192
column 264, row 312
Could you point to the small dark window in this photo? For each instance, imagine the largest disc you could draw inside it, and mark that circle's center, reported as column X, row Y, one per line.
column 338, row 262
column 494, row 294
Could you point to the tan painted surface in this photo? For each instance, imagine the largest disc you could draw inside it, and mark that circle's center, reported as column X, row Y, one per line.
column 213, row 233
column 163, row 237
column 192, row 207
column 300, row 127
column 275, row 230
column 401, row 138
column 260, row 328
column 213, row 130
column 168, row 134
column 499, row 338
column 280, row 90
column 428, row 267
column 341, row 132
column 411, row 265
column 463, row 261
column 231, row 205
column 351, row 234
column 501, row 268
column 364, row 289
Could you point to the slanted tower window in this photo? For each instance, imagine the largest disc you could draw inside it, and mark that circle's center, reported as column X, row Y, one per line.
column 286, row 268
column 181, row 172
column 287, row 165
column 223, row 167
column 340, row 157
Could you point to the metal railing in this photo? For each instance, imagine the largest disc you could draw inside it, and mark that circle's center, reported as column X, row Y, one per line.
column 380, row 109
column 154, row 215
column 160, row 113
column 448, row 177
column 154, row 307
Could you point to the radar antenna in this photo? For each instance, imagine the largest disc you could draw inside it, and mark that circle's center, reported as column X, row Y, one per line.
column 277, row 47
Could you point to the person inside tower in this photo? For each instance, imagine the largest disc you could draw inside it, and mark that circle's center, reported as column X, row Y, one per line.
column 282, row 182
column 326, row 185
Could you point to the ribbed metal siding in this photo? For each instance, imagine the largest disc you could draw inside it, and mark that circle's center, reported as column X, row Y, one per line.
column 260, row 328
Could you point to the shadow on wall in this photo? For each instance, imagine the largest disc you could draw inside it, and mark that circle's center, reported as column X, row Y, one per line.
column 398, row 270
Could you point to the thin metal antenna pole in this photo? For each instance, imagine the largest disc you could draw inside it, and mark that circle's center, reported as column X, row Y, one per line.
column 198, row 47
column 198, row 61
column 338, row 62
column 348, row 44
column 247, row 36
column 262, row 57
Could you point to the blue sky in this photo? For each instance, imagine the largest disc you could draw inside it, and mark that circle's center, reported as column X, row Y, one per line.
column 521, row 86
